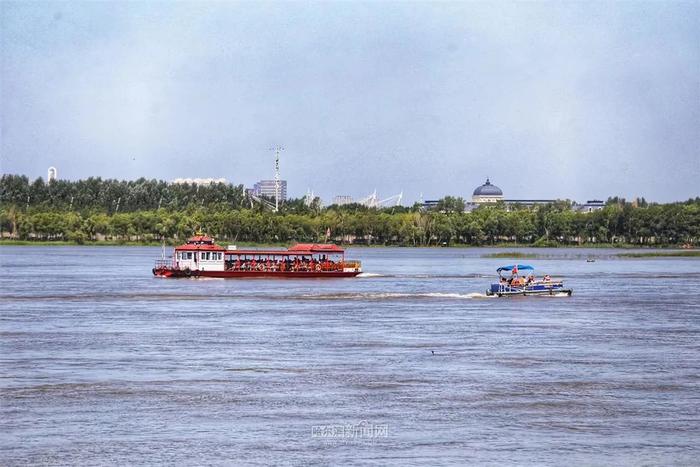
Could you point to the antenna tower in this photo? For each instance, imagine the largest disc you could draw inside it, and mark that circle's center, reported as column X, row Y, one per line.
column 277, row 150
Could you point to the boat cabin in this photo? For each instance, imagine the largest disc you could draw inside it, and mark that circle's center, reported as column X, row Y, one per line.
column 200, row 254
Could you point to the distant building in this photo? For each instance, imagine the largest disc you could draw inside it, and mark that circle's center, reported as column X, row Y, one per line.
column 487, row 193
column 198, row 181
column 53, row 174
column 429, row 204
column 590, row 206
column 529, row 202
column 342, row 199
column 267, row 188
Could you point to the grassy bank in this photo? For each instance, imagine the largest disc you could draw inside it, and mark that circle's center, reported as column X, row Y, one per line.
column 661, row 254
column 511, row 254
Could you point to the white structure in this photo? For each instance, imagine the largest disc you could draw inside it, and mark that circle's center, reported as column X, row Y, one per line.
column 53, row 174
column 373, row 201
column 487, row 193
column 198, row 181
column 310, row 197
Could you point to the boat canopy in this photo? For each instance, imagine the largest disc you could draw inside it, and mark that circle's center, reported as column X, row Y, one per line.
column 316, row 248
column 516, row 266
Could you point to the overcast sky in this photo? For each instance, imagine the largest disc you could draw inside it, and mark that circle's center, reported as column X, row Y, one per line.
column 550, row 100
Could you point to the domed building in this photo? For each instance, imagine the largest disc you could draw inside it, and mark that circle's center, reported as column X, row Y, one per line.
column 487, row 193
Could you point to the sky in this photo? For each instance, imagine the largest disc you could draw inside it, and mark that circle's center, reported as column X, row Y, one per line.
column 550, row 100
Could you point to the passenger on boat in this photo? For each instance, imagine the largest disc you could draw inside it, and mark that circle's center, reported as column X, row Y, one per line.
column 547, row 278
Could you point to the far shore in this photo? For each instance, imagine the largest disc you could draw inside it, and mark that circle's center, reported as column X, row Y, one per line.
column 668, row 250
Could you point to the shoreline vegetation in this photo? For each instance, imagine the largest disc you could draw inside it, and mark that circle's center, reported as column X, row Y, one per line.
column 665, row 252
column 148, row 212
column 668, row 253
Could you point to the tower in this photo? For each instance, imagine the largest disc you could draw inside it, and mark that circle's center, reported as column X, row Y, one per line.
column 277, row 150
column 53, row 174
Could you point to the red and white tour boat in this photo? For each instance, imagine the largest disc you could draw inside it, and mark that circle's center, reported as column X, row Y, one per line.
column 201, row 257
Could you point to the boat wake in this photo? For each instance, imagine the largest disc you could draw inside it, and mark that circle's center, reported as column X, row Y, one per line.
column 423, row 276
column 381, row 296
column 189, row 296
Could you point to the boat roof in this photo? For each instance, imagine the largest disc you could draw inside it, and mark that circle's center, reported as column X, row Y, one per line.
column 199, row 247
column 317, row 248
column 200, row 242
column 296, row 250
column 516, row 266
column 200, row 238
column 206, row 243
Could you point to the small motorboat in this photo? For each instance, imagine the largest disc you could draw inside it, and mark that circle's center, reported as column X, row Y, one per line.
column 522, row 285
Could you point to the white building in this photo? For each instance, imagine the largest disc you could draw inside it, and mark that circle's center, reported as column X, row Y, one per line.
column 53, row 174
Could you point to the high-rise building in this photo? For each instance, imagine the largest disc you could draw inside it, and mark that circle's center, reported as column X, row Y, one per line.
column 266, row 188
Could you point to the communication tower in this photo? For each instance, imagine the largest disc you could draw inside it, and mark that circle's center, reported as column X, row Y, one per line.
column 277, row 150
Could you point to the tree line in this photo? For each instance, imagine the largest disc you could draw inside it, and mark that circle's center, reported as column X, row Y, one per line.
column 151, row 211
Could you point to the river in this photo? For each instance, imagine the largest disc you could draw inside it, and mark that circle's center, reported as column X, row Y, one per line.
column 101, row 363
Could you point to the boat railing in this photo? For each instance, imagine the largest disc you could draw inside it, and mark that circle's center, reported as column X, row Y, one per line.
column 282, row 266
column 164, row 264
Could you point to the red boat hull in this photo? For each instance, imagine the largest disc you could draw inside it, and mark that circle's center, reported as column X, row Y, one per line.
column 163, row 272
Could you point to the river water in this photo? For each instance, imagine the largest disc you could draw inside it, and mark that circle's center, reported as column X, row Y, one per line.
column 101, row 363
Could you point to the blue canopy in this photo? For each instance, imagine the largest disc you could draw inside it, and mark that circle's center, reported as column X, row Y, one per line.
column 514, row 266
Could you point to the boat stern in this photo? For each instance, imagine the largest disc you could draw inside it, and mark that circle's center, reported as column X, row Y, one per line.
column 352, row 266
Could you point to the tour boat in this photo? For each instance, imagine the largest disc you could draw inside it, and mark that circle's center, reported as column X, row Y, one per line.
column 521, row 285
column 201, row 257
